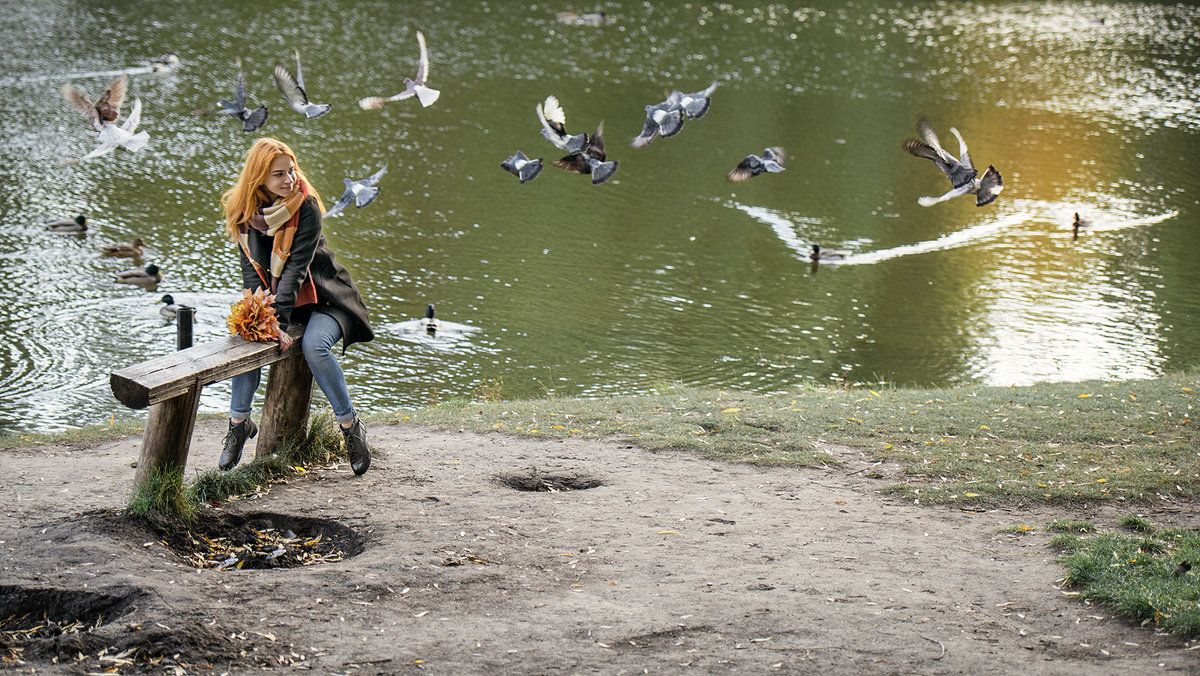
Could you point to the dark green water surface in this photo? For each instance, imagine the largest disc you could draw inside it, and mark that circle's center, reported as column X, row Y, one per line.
column 666, row 274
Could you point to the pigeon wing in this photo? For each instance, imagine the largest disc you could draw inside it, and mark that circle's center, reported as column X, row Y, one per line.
column 135, row 116
column 596, row 147
column 81, row 103
column 299, row 72
column 374, row 178
column 343, row 202
column 109, row 105
column 746, row 169
column 423, row 64
column 290, row 88
column 239, row 95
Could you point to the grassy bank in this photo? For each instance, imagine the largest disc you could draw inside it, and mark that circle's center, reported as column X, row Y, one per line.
column 1134, row 441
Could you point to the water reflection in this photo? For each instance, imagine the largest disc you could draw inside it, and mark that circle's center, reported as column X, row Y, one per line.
column 667, row 272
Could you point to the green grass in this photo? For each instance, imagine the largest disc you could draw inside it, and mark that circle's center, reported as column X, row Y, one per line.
column 1016, row 529
column 167, row 493
column 1063, row 526
column 1065, row 443
column 1138, row 576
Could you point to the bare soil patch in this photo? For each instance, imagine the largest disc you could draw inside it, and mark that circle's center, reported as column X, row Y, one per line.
column 468, row 553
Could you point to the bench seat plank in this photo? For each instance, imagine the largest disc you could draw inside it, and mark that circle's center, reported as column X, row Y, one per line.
column 171, row 375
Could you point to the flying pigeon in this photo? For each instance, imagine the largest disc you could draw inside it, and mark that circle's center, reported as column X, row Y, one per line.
column 251, row 119
column 771, row 161
column 696, row 104
column 662, row 119
column 361, row 192
column 164, row 63
column 554, row 120
column 962, row 174
column 293, row 89
column 522, row 167
column 414, row 87
column 103, row 115
column 591, row 160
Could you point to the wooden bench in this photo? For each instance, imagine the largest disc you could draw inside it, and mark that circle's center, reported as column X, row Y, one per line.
column 170, row 385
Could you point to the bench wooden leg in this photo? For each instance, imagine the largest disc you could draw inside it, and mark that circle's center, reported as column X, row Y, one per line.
column 285, row 409
column 168, row 433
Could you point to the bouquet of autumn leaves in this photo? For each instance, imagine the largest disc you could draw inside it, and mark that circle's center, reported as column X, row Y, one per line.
column 253, row 317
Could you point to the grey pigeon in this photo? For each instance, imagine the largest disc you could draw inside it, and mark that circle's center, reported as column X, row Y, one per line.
column 251, row 119
column 696, row 104
column 962, row 174
column 771, row 161
column 662, row 119
column 522, row 167
column 554, row 120
column 361, row 192
column 592, row 160
column 293, row 90
column 412, row 87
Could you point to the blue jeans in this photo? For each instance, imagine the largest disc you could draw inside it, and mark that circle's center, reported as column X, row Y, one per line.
column 321, row 334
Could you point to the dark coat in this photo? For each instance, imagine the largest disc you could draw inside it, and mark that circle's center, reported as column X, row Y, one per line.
column 337, row 296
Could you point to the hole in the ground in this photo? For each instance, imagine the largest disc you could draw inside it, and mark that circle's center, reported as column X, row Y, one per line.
column 535, row 480
column 28, row 613
column 263, row 540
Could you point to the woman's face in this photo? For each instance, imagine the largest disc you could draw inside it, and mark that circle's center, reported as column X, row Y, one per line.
column 281, row 178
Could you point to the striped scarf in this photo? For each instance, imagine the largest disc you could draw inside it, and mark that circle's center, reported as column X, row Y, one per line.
column 278, row 220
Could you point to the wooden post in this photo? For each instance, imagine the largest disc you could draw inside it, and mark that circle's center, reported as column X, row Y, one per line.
column 168, row 433
column 285, row 408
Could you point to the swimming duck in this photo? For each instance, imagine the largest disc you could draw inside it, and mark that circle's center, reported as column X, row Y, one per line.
column 1079, row 225
column 591, row 160
column 577, row 19
column 146, row 275
column 431, row 325
column 662, row 119
column 553, row 120
column 360, row 192
column 131, row 250
column 962, row 174
column 771, row 161
column 819, row 254
column 522, row 167
column 170, row 309
column 293, row 90
column 164, row 63
column 251, row 119
column 77, row 224
column 412, row 87
column 103, row 114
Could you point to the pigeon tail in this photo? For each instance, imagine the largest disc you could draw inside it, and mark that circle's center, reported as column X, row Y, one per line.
column 315, row 110
column 426, row 95
column 990, row 185
column 365, row 197
column 252, row 120
column 602, row 171
column 529, row 170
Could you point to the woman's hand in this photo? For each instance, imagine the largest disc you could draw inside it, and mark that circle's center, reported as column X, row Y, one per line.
column 285, row 340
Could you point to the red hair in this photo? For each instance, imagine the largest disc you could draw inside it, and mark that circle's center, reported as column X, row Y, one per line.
column 248, row 195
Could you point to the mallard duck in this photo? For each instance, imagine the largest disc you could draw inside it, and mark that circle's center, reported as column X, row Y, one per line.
column 819, row 254
column 146, row 275
column 164, row 63
column 170, row 309
column 293, row 90
column 962, row 174
column 251, row 119
column 131, row 250
column 522, row 167
column 771, row 161
column 361, row 192
column 1079, row 226
column 412, row 87
column 577, row 19
column 77, row 224
column 591, row 160
column 431, row 325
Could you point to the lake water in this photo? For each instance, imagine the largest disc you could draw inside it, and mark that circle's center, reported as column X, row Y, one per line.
column 666, row 274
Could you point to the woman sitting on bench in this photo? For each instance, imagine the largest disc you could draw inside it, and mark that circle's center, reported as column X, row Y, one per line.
column 274, row 215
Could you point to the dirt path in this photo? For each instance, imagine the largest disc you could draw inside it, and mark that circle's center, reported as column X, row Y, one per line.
column 670, row 564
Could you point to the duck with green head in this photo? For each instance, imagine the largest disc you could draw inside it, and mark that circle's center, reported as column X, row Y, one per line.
column 77, row 224
column 147, row 275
